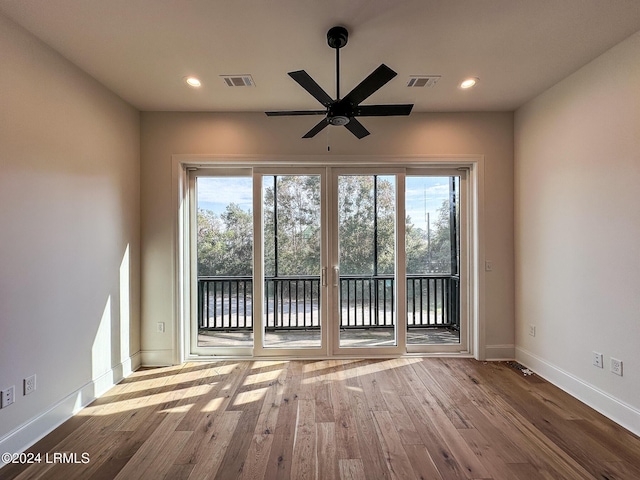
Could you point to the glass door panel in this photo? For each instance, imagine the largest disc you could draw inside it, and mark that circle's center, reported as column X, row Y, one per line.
column 292, row 242
column 366, row 219
column 432, row 246
column 224, row 256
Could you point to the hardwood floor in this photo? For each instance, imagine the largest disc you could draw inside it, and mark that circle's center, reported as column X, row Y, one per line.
column 423, row 418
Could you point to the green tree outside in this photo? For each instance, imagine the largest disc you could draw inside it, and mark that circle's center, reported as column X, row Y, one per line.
column 225, row 241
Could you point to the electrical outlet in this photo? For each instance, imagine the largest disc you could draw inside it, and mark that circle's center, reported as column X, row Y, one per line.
column 597, row 359
column 616, row 366
column 29, row 384
column 7, row 396
column 160, row 327
column 532, row 330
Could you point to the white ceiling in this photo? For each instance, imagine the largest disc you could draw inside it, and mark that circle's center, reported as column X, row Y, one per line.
column 142, row 49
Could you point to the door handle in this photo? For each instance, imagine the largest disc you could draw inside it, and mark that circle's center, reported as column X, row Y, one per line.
column 336, row 276
column 324, row 276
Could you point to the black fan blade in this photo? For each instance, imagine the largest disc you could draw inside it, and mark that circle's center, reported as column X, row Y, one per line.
column 318, row 128
column 373, row 82
column 382, row 110
column 355, row 127
column 296, row 112
column 310, row 85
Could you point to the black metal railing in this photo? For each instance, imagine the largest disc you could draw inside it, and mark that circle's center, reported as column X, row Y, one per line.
column 367, row 302
column 225, row 303
column 433, row 300
column 292, row 302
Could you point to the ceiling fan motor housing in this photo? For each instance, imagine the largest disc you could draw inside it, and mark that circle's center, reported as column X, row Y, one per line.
column 339, row 113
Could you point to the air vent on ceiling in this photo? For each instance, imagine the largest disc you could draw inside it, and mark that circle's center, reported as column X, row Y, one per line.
column 423, row 80
column 238, row 80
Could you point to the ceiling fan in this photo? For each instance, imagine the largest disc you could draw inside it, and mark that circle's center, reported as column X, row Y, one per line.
column 342, row 111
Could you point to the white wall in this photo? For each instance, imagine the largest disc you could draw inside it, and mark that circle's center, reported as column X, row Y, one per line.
column 577, row 211
column 164, row 134
column 69, row 235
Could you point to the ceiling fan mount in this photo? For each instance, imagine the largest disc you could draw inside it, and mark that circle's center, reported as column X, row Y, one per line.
column 337, row 37
column 342, row 111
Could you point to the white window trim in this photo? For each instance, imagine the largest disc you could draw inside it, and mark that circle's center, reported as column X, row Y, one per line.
column 182, row 163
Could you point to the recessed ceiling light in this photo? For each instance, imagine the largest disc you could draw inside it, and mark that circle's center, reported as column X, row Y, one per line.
column 192, row 81
column 469, row 82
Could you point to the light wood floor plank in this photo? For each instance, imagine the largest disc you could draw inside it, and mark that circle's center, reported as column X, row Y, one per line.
column 346, row 432
column 351, row 469
column 280, row 456
column 151, row 449
column 394, row 454
column 249, row 399
column 213, row 451
column 401, row 420
column 370, row 451
column 446, row 429
column 268, row 417
column 257, row 457
column 369, row 383
column 304, row 464
column 326, row 451
column 305, row 453
column 422, row 463
column 177, row 472
column 444, row 392
column 443, row 456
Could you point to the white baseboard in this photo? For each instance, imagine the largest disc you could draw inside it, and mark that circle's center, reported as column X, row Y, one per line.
column 500, row 352
column 38, row 427
column 157, row 358
column 611, row 407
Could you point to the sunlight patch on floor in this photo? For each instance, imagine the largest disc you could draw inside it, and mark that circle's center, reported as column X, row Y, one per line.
column 262, row 377
column 251, row 396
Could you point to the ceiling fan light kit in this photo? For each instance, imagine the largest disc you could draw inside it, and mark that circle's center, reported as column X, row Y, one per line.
column 342, row 111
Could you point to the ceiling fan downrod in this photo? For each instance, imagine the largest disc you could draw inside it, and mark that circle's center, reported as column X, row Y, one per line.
column 337, row 37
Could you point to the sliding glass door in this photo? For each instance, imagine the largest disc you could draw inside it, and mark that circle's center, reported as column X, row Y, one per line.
column 322, row 261
column 366, row 250
column 436, row 260
column 222, row 242
column 290, row 261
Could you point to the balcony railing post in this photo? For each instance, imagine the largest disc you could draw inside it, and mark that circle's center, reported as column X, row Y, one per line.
column 201, row 299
